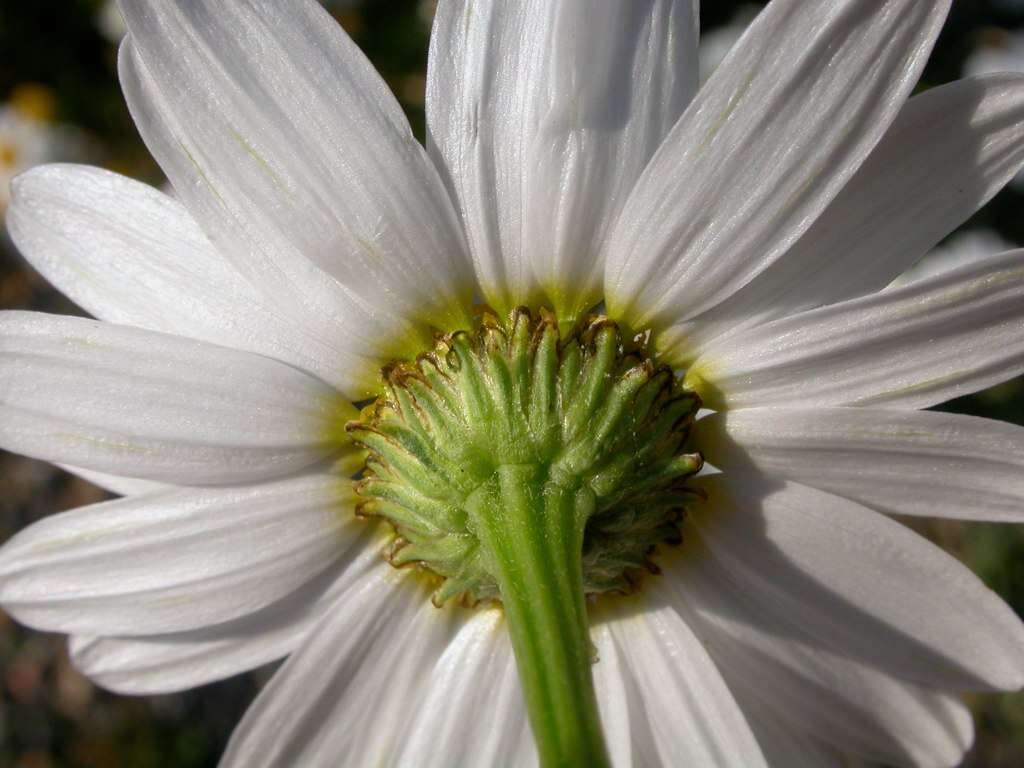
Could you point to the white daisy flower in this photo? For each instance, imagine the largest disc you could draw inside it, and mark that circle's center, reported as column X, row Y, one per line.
column 999, row 51
column 530, row 457
column 24, row 142
column 110, row 22
column 964, row 248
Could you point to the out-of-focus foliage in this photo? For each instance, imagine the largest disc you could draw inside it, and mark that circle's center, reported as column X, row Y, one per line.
column 59, row 100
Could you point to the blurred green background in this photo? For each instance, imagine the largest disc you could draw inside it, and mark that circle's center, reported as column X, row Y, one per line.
column 59, row 101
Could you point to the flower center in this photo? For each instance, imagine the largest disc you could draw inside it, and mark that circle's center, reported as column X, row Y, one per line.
column 586, row 427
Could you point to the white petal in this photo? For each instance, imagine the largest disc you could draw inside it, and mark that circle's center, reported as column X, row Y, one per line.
column 846, row 703
column 348, row 693
column 129, row 254
column 911, row 347
column 122, row 486
column 544, row 114
column 175, row 561
column 616, row 699
column 296, row 159
column 692, row 717
column 347, row 463
column 524, row 754
column 130, row 402
column 472, row 712
column 783, row 745
column 861, row 583
column 949, row 151
column 768, row 142
column 902, row 462
column 157, row 664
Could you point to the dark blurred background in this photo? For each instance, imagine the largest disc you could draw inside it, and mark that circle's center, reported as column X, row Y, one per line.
column 59, row 101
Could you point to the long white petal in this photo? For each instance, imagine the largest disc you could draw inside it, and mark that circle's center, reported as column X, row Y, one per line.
column 903, row 462
column 175, row 561
column 692, row 717
column 949, row 151
column 127, row 253
column 524, row 753
column 296, row 159
column 781, row 126
column 847, row 703
column 784, row 745
column 543, row 115
column 911, row 347
column 347, row 695
column 130, row 402
column 472, row 712
column 620, row 706
column 861, row 583
column 158, row 664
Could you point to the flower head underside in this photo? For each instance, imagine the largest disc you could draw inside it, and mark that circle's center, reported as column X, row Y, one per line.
column 594, row 278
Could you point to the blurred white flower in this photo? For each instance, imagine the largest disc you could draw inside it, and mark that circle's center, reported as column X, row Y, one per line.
column 27, row 140
column 23, row 143
column 962, row 249
column 747, row 229
column 999, row 51
column 110, row 21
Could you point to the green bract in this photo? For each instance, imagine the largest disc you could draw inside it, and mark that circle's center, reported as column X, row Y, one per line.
column 589, row 420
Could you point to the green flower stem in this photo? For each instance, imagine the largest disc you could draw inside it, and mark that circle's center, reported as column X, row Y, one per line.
column 532, row 464
column 531, row 533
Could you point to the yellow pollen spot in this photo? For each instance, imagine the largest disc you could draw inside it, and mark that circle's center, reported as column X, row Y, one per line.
column 8, row 155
